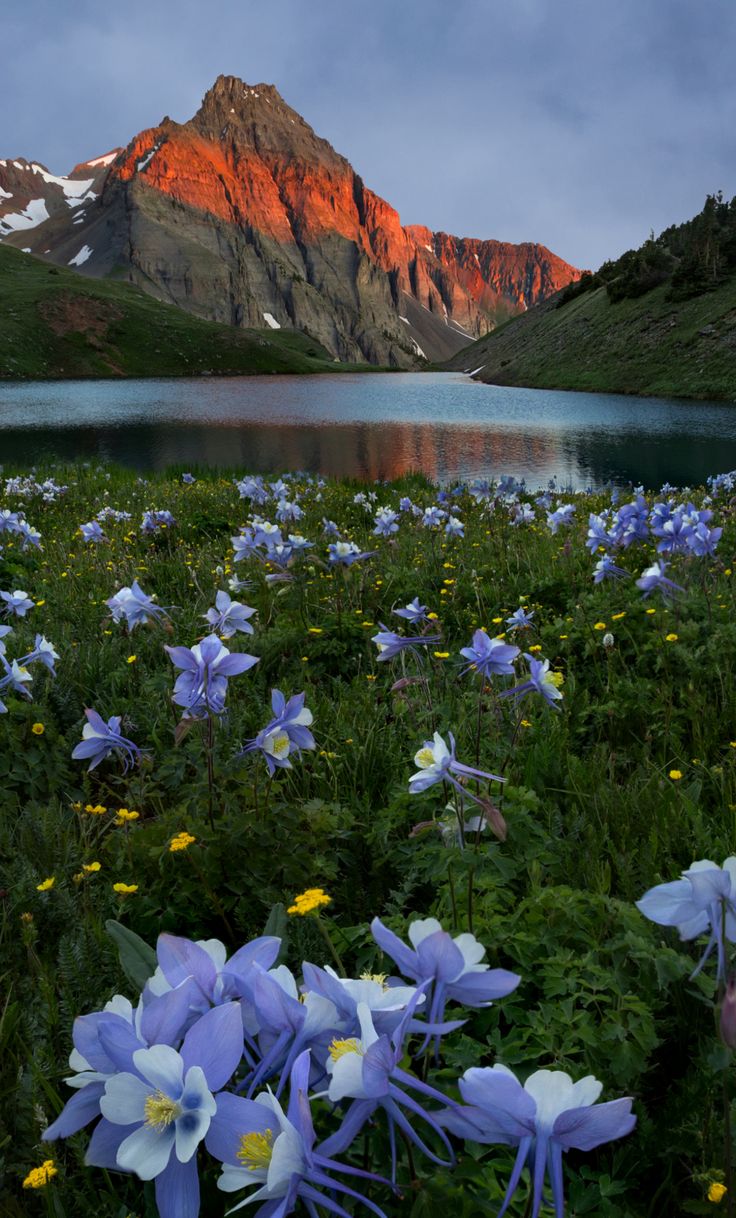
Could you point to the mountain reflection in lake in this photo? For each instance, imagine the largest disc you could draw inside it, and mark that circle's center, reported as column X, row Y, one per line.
column 369, row 427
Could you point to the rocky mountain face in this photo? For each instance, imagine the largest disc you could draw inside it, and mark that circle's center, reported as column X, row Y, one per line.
column 244, row 215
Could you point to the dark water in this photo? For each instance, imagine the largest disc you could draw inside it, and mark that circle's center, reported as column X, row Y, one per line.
column 372, row 426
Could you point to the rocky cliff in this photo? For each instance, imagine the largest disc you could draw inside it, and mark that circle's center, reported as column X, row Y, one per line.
column 244, row 215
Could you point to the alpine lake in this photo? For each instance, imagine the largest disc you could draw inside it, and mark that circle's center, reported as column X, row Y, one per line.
column 369, row 427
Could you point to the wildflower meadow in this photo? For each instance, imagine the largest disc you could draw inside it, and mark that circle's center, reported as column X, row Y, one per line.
column 366, row 849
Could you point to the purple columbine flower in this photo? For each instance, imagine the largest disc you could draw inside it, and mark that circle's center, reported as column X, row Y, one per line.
column 653, row 579
column 413, row 612
column 188, row 479
column 702, row 901
column 44, row 653
column 100, row 739
column 287, row 733
column 201, row 687
column 385, row 522
column 541, row 680
column 390, row 644
column 452, row 969
column 132, row 604
column 547, row 1116
column 437, row 763
column 229, row 616
column 258, row 1143
column 703, row 541
column 489, row 657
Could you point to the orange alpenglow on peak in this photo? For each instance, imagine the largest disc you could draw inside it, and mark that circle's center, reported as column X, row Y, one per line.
column 244, row 215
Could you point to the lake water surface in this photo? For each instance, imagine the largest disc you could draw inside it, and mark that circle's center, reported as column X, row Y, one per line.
column 369, row 426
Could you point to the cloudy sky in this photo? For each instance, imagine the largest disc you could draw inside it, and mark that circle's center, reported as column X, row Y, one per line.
column 582, row 124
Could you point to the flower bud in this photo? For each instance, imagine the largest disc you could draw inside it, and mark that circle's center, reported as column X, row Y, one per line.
column 728, row 1014
column 608, row 641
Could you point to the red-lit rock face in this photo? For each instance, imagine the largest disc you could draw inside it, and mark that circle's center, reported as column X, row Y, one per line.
column 244, row 211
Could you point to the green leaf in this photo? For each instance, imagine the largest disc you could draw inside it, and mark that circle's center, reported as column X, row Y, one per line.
column 137, row 959
column 278, row 924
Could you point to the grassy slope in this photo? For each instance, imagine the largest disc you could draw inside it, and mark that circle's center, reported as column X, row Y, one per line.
column 55, row 323
column 648, row 346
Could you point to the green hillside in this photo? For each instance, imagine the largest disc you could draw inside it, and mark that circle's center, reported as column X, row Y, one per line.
column 659, row 320
column 56, row 323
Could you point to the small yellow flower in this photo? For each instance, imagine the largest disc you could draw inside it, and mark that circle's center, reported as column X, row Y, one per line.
column 600, row 626
column 675, row 775
column 432, row 617
column 616, row 617
column 123, row 816
column 124, row 890
column 370, row 677
column 670, row 638
column 181, row 841
column 95, row 809
column 536, row 647
column 38, row 1177
column 717, row 1192
column 90, row 867
column 38, row 729
column 563, row 636
column 448, row 582
column 649, row 612
column 525, row 723
column 308, row 901
column 441, row 655
column 46, row 885
column 39, row 604
column 496, row 620
column 315, row 630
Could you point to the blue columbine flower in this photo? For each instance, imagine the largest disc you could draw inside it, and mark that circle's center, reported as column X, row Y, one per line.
column 489, row 657
column 366, row 1069
column 541, row 680
column 132, row 604
column 547, row 1116
column 15, row 604
column 653, row 579
column 520, row 619
column 286, row 734
column 453, row 969
column 437, row 763
column 229, row 616
column 258, row 1143
column 206, row 668
column 702, row 901
column 345, row 553
column 92, row 532
column 413, row 612
column 390, row 644
column 100, row 739
column 606, row 568
column 156, row 1114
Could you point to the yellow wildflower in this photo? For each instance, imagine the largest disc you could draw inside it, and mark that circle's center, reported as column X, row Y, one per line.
column 600, row 626
column 675, row 775
column 308, row 901
column 38, row 729
column 124, row 890
column 47, row 884
column 671, row 638
column 181, row 841
column 38, row 1177
column 717, row 1192
column 131, row 659
column 91, row 867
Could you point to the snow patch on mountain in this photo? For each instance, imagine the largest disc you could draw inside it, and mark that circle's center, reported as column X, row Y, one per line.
column 33, row 215
column 81, row 257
